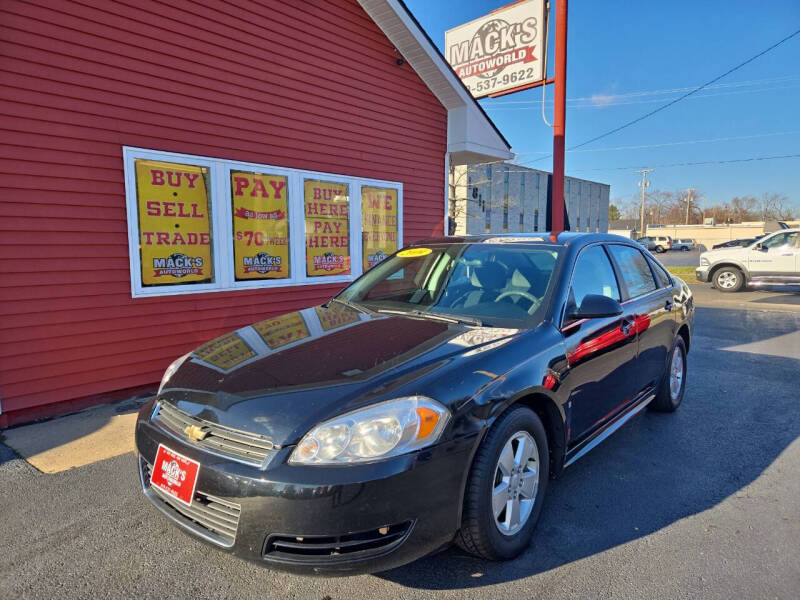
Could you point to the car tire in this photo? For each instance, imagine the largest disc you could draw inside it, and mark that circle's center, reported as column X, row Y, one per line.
column 670, row 393
column 489, row 534
column 728, row 279
column 661, row 249
column 684, row 248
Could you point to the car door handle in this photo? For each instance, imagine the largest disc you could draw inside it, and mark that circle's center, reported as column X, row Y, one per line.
column 626, row 326
column 787, row 253
column 668, row 305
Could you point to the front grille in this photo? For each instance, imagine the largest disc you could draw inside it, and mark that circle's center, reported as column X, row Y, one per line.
column 209, row 516
column 244, row 447
column 313, row 548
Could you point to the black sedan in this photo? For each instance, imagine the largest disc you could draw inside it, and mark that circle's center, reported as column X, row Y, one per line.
column 429, row 402
column 734, row 243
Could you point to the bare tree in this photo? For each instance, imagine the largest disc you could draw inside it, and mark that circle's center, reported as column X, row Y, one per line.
column 776, row 207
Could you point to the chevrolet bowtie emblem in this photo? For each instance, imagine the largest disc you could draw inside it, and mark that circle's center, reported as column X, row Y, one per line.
column 195, row 433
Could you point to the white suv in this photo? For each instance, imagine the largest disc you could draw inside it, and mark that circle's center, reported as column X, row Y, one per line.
column 774, row 259
column 662, row 242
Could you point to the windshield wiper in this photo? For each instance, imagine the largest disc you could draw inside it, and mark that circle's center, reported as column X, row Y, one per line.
column 352, row 305
column 434, row 316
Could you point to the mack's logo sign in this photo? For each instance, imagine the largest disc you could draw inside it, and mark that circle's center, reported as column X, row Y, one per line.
column 172, row 472
column 374, row 259
column 499, row 52
column 330, row 261
column 178, row 265
column 262, row 262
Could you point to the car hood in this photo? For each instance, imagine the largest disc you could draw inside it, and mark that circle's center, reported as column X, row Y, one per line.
column 714, row 255
column 282, row 376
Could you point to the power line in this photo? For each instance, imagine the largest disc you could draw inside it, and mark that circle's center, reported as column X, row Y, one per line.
column 612, row 103
column 661, row 92
column 690, row 164
column 666, row 144
column 687, row 94
column 637, row 167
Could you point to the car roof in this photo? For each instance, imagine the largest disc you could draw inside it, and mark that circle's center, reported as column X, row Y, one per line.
column 565, row 238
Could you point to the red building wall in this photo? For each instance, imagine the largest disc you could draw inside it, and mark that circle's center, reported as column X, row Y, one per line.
column 314, row 88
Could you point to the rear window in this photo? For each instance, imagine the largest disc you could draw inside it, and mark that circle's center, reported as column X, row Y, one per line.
column 634, row 270
column 661, row 275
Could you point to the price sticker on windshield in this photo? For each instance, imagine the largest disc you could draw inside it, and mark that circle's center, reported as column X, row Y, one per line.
column 414, row 252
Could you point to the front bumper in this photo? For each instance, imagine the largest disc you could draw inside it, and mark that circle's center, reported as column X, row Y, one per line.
column 702, row 273
column 318, row 520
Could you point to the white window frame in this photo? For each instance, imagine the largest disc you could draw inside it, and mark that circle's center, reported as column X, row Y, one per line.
column 220, row 194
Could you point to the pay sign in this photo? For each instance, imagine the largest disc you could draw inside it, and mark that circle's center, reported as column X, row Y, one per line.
column 500, row 52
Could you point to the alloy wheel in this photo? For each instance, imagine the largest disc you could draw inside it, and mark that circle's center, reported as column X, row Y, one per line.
column 516, row 482
column 727, row 279
column 676, row 374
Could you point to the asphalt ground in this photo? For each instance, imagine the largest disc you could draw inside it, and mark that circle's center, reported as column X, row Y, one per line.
column 702, row 503
column 678, row 258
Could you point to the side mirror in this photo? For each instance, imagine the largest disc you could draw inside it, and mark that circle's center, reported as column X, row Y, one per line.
column 595, row 306
column 761, row 248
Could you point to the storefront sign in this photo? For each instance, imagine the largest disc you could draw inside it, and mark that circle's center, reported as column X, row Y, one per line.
column 282, row 330
column 378, row 224
column 327, row 212
column 174, row 224
column 260, row 225
column 501, row 51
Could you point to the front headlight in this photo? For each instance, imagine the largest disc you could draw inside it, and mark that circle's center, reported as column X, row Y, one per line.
column 171, row 371
column 373, row 433
column 704, row 261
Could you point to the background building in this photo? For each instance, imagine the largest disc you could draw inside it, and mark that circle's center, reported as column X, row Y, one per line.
column 507, row 198
column 171, row 173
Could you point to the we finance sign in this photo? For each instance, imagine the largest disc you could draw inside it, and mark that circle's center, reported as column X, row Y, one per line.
column 501, row 51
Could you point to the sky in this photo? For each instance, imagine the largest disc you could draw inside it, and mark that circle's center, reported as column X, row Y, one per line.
column 627, row 58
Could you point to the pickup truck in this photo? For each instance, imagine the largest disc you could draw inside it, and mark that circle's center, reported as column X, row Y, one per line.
column 772, row 260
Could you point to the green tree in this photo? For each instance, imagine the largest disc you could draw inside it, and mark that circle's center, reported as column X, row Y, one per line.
column 613, row 213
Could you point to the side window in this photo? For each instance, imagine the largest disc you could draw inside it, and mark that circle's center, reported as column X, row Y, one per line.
column 662, row 278
column 782, row 240
column 593, row 274
column 634, row 270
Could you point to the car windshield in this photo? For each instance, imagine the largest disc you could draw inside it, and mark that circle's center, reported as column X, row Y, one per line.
column 500, row 285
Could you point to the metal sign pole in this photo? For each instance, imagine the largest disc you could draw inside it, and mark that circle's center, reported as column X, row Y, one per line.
column 559, row 117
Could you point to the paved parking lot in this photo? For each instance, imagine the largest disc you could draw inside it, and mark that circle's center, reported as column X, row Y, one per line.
column 678, row 258
column 702, row 503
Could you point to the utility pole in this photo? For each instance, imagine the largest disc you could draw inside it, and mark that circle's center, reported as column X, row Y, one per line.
column 644, row 184
column 559, row 118
column 688, row 203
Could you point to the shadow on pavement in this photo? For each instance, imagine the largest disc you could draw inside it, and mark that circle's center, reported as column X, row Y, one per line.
column 660, row 468
column 786, row 297
column 75, row 439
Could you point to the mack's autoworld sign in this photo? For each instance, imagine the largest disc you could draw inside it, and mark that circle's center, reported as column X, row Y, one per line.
column 501, row 51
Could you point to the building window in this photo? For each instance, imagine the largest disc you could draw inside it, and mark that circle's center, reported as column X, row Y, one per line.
column 174, row 230
column 488, row 203
column 536, row 220
column 522, row 203
column 327, row 210
column 379, row 220
column 199, row 224
column 260, row 208
column 505, row 200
